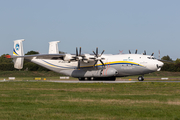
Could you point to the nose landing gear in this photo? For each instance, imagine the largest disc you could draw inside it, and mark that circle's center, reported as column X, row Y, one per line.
column 140, row 78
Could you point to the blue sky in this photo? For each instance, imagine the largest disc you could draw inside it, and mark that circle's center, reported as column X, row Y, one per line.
column 111, row 25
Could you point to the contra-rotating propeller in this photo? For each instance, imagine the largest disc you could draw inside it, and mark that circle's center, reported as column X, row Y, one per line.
column 78, row 57
column 98, row 57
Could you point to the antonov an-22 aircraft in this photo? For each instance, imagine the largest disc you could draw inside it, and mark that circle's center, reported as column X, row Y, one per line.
column 89, row 66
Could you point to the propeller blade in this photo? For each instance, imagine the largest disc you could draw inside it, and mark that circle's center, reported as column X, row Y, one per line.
column 78, row 64
column 94, row 53
column 97, row 52
column 78, row 57
column 158, row 66
column 80, row 51
column 92, row 58
column 129, row 52
column 152, row 54
column 76, row 51
column 72, row 59
column 102, row 62
column 102, row 52
column 144, row 53
column 95, row 63
column 97, row 57
column 136, row 51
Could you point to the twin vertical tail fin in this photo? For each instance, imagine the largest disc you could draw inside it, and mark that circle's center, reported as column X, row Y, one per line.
column 18, row 51
column 53, row 47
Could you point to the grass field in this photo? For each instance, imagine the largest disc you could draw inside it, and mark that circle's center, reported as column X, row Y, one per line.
column 29, row 75
column 95, row 101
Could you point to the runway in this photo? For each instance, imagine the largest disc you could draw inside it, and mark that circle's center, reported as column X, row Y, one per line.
column 69, row 81
column 76, row 81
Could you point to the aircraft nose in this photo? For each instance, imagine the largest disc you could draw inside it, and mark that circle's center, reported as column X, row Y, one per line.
column 159, row 65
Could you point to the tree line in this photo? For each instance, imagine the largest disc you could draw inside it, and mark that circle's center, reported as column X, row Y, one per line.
column 8, row 65
column 170, row 65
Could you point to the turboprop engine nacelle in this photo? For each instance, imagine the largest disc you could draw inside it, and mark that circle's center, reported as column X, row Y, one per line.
column 88, row 58
column 68, row 57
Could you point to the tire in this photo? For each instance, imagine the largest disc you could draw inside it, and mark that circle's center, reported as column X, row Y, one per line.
column 92, row 78
column 81, row 79
column 140, row 78
column 113, row 78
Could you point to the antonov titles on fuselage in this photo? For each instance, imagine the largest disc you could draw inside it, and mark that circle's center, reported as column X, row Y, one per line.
column 88, row 66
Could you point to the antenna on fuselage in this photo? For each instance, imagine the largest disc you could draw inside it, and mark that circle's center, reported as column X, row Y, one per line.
column 129, row 52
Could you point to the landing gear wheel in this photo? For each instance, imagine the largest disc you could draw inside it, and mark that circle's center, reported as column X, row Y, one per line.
column 92, row 78
column 89, row 78
column 140, row 78
column 112, row 78
column 81, row 79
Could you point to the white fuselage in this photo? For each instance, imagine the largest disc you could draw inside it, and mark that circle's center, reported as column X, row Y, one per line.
column 88, row 66
column 125, row 64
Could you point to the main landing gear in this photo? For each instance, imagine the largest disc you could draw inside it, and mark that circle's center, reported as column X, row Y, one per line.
column 140, row 78
column 97, row 79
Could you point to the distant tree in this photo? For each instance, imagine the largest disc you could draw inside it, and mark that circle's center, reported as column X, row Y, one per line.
column 6, row 64
column 170, row 65
column 31, row 52
column 3, row 59
column 61, row 52
column 167, row 58
column 177, row 61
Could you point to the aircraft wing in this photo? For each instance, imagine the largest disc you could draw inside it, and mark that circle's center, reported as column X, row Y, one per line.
column 39, row 56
